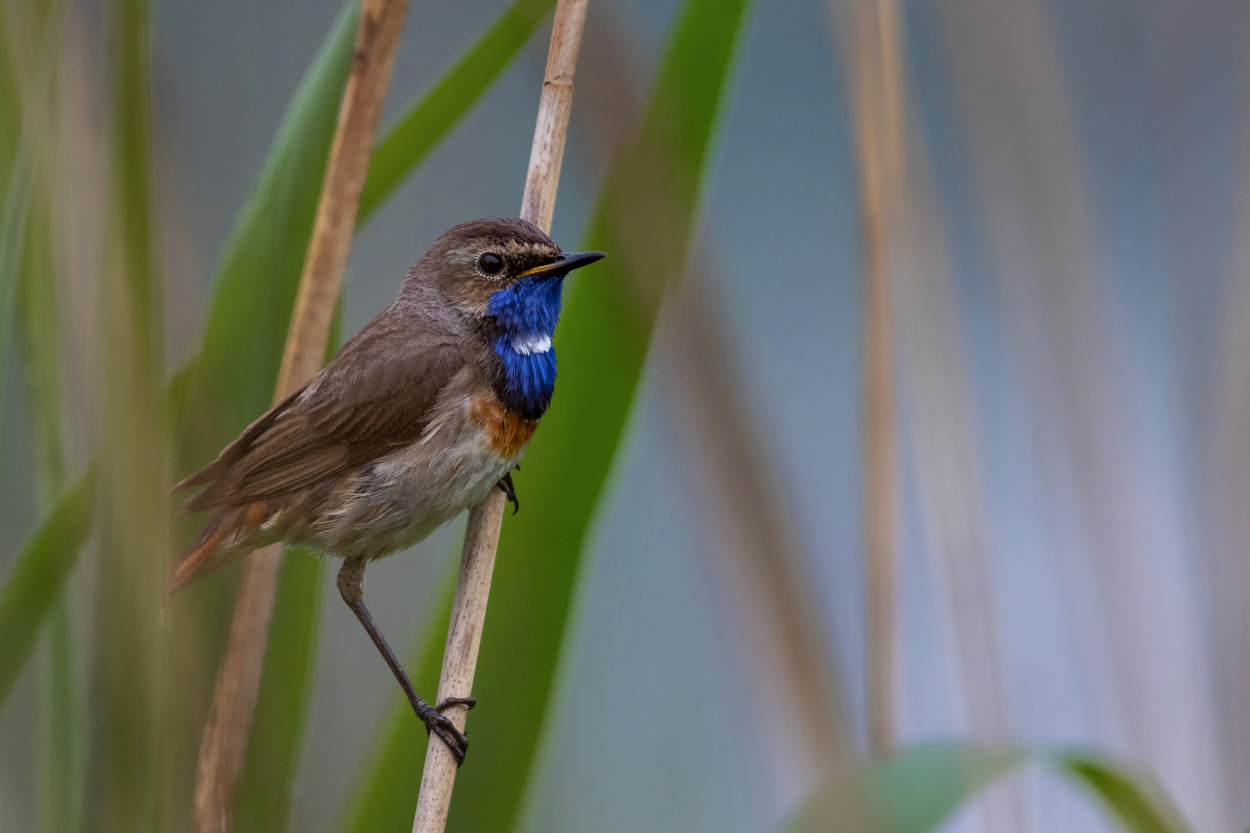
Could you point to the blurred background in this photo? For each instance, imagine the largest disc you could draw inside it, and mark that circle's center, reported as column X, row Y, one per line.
column 963, row 283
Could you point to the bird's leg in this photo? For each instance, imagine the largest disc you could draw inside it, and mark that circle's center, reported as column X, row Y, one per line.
column 352, row 587
column 508, row 489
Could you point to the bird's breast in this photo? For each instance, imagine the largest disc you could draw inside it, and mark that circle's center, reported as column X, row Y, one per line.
column 390, row 504
column 506, row 431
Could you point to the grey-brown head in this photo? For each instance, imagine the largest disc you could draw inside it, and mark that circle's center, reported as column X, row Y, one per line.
column 473, row 261
column 507, row 275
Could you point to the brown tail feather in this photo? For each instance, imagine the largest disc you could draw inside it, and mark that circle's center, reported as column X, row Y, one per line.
column 207, row 474
column 229, row 535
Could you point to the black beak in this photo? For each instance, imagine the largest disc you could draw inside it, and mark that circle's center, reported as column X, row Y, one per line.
column 565, row 263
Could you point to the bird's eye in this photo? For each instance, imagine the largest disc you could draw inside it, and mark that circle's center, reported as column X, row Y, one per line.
column 490, row 264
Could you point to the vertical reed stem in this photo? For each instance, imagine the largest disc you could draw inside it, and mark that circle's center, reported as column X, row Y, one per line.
column 879, row 108
column 481, row 539
column 224, row 744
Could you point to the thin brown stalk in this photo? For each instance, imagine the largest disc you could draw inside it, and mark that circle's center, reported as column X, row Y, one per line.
column 879, row 108
column 224, row 744
column 945, row 436
column 764, row 566
column 481, row 539
column 775, row 620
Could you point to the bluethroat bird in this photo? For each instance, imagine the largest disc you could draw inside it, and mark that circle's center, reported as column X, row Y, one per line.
column 417, row 418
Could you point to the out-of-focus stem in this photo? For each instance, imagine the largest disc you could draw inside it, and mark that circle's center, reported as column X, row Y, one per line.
column 224, row 744
column 477, row 561
column 879, row 111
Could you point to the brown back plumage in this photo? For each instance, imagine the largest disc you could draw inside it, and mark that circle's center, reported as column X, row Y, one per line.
column 375, row 396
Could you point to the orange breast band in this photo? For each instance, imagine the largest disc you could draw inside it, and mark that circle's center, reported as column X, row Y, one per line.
column 508, row 432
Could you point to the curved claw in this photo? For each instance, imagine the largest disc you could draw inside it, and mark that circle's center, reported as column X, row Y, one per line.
column 447, row 732
column 505, row 485
column 467, row 702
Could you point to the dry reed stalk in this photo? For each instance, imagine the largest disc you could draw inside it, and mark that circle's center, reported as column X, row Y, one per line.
column 481, row 538
column 1140, row 651
column 1229, row 484
column 224, row 744
column 879, row 111
column 949, row 475
column 764, row 572
column 763, row 569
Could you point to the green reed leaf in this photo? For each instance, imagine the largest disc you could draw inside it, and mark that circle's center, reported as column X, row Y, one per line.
column 264, row 793
column 1130, row 796
column 917, row 789
column 232, row 379
column 39, row 574
column 129, row 694
column 603, row 337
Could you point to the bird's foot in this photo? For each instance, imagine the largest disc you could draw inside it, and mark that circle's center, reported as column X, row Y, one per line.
column 467, row 702
column 508, row 489
column 436, row 722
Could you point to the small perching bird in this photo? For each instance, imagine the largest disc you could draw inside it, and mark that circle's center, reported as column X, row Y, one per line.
column 417, row 418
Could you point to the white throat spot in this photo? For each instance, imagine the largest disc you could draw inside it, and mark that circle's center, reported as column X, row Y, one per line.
column 533, row 343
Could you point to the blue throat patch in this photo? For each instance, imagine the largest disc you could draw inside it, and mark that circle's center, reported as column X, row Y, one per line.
column 527, row 312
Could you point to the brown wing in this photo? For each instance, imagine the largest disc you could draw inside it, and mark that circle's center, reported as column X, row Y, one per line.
column 376, row 395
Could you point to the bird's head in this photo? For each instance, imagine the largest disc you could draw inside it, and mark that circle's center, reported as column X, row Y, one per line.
column 504, row 269
column 508, row 276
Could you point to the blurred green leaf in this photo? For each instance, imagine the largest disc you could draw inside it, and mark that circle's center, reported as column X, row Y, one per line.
column 129, row 695
column 38, row 575
column 13, row 186
column 10, row 102
column 14, row 213
column 39, row 340
column 22, row 139
column 429, row 119
column 1132, row 798
column 917, row 789
column 264, row 792
column 58, row 757
column 602, row 342
column 232, row 379
column 62, row 727
column 38, row 320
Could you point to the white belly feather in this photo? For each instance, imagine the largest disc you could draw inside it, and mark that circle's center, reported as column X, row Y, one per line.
column 405, row 496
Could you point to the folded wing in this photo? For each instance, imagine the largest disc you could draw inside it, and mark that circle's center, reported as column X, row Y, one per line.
column 378, row 394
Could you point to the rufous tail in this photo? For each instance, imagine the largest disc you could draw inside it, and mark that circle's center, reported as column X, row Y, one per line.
column 230, row 534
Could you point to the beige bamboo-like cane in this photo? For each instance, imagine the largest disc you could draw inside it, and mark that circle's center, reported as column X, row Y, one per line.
column 481, row 539
column 224, row 743
column 879, row 111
